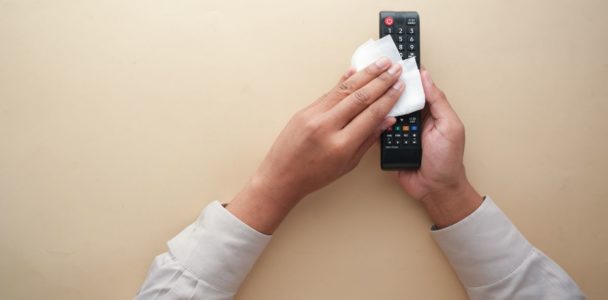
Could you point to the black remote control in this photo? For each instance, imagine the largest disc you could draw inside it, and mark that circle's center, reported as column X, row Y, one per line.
column 400, row 144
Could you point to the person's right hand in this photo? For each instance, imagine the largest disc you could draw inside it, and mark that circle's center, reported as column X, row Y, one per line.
column 320, row 143
column 441, row 184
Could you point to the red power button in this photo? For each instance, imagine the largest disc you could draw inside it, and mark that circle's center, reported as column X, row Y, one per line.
column 388, row 21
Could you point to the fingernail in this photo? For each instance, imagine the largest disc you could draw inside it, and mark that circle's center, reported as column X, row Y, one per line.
column 388, row 122
column 383, row 62
column 398, row 85
column 394, row 69
column 349, row 72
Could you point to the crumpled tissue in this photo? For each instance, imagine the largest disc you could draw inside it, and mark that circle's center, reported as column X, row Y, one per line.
column 412, row 98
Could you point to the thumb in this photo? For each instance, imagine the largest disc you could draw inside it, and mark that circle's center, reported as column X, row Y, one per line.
column 439, row 108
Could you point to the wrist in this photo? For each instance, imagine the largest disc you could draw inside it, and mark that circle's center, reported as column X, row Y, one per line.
column 449, row 205
column 262, row 204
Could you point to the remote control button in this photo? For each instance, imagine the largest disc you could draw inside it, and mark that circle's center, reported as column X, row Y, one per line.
column 410, row 30
column 411, row 47
column 397, row 128
column 400, row 39
column 389, row 142
column 389, row 30
column 397, row 142
column 388, row 21
column 406, row 128
column 411, row 54
column 389, row 136
column 414, row 128
column 411, row 21
column 400, row 30
column 390, row 129
column 400, row 47
column 405, row 142
column 413, row 135
column 401, row 119
column 401, row 53
column 414, row 142
column 412, row 119
column 397, row 135
column 411, row 39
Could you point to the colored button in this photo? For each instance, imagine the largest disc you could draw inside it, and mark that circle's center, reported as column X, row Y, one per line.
column 414, row 127
column 388, row 21
column 406, row 128
column 397, row 128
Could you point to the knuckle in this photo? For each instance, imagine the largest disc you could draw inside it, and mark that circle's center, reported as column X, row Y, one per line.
column 314, row 130
column 441, row 94
column 370, row 70
column 460, row 128
column 345, row 88
column 393, row 93
column 338, row 147
column 385, row 77
column 299, row 117
column 312, row 127
column 324, row 96
column 361, row 97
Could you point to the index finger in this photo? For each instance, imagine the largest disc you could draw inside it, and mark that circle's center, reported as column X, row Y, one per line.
column 355, row 82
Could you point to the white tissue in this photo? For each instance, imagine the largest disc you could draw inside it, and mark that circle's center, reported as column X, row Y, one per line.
column 412, row 98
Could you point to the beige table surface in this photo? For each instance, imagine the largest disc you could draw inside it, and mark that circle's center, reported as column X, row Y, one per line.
column 121, row 120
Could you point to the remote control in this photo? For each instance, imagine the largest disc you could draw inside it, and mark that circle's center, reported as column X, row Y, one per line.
column 400, row 144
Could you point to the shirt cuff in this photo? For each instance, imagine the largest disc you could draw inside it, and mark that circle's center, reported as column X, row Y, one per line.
column 218, row 248
column 484, row 247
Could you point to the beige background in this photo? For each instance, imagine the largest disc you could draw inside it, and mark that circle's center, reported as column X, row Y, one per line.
column 121, row 120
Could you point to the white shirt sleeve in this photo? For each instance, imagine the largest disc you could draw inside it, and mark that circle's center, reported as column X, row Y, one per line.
column 210, row 259
column 495, row 261
column 207, row 260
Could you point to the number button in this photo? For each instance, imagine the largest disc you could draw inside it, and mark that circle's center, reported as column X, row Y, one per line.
column 411, row 39
column 401, row 53
column 400, row 30
column 400, row 47
column 411, row 47
column 400, row 39
column 389, row 30
column 410, row 30
column 411, row 54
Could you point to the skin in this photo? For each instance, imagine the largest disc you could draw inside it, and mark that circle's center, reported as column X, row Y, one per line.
column 328, row 138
